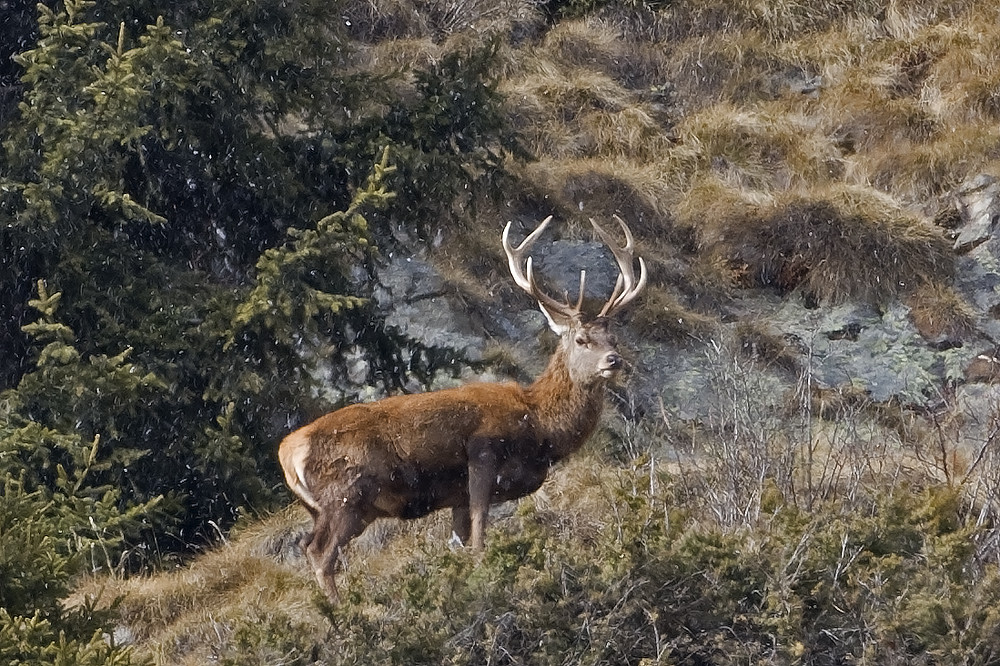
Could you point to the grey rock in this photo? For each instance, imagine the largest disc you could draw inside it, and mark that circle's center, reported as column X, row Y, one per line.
column 977, row 277
column 438, row 323
column 852, row 346
column 558, row 267
column 413, row 296
column 357, row 366
column 978, row 202
column 407, row 279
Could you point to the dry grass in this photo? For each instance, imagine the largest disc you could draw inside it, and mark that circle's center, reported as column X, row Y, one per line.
column 863, row 113
column 748, row 143
column 782, row 20
column 661, row 317
column 373, row 21
column 585, row 44
column 757, row 342
column 710, row 203
column 548, row 102
column 401, row 54
column 631, row 133
column 740, row 69
column 602, row 187
column 601, row 45
column 938, row 311
column 760, row 149
column 924, row 171
column 187, row 616
column 836, row 243
column 197, row 613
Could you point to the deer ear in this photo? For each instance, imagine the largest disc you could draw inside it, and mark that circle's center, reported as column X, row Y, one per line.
column 559, row 324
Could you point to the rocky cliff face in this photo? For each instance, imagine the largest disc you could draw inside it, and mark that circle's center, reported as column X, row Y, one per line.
column 926, row 357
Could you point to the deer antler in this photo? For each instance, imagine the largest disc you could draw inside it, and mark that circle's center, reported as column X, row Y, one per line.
column 626, row 287
column 525, row 279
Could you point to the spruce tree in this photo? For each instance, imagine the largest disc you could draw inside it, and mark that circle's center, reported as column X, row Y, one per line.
column 147, row 181
column 172, row 170
column 57, row 518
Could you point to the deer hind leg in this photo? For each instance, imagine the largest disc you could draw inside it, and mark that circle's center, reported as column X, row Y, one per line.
column 334, row 529
column 461, row 523
column 310, row 535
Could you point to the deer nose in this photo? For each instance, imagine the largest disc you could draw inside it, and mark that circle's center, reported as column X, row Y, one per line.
column 614, row 360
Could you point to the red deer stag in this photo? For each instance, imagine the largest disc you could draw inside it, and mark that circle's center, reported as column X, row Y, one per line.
column 464, row 448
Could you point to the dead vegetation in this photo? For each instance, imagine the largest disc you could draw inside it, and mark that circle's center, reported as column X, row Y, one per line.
column 802, row 147
column 796, row 142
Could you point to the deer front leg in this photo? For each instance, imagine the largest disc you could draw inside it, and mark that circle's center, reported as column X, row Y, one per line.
column 461, row 523
column 482, row 472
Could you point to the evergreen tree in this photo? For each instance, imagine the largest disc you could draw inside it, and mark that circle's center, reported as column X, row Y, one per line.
column 56, row 516
column 144, row 180
column 171, row 171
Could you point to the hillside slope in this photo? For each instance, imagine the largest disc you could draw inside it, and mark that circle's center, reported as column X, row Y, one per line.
column 797, row 175
column 602, row 566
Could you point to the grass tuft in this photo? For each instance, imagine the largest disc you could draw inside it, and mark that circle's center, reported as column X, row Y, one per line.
column 760, row 150
column 373, row 21
column 603, row 187
column 938, row 311
column 661, row 317
column 836, row 244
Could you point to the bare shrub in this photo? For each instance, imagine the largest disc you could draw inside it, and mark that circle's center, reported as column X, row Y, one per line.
column 741, row 447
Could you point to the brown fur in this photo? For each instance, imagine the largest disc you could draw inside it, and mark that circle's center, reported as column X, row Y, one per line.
column 464, row 448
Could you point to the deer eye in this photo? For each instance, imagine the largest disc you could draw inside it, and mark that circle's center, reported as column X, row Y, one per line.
column 582, row 341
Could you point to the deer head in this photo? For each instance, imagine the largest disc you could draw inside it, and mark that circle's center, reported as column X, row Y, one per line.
column 587, row 343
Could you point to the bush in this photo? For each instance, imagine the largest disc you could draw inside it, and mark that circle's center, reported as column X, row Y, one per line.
column 891, row 579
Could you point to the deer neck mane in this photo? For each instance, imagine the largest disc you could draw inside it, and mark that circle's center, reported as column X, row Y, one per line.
column 566, row 413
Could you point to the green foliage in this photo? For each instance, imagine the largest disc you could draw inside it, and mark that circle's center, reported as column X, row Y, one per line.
column 171, row 172
column 895, row 579
column 286, row 301
column 449, row 139
column 273, row 639
column 35, row 642
column 153, row 177
column 81, row 120
column 58, row 513
column 46, row 537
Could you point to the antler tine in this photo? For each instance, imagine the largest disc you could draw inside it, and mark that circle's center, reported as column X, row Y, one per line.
column 515, row 254
column 549, row 305
column 615, row 293
column 525, row 279
column 579, row 298
column 626, row 286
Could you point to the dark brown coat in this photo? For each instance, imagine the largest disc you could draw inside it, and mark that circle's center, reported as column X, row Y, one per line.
column 463, row 448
